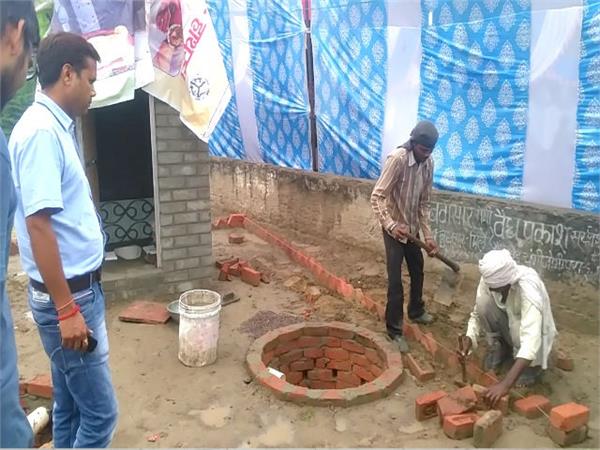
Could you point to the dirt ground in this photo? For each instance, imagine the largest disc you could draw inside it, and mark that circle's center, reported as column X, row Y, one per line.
column 218, row 405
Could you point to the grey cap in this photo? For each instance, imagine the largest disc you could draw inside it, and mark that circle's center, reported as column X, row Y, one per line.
column 425, row 134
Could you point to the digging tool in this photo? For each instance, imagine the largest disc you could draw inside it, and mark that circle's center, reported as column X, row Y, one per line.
column 462, row 359
column 450, row 282
column 415, row 240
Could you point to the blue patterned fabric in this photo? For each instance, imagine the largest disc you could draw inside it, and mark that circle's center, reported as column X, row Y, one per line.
column 474, row 86
column 226, row 139
column 586, row 187
column 350, row 66
column 278, row 64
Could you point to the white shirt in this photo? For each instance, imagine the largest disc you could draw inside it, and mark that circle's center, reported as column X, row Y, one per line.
column 529, row 314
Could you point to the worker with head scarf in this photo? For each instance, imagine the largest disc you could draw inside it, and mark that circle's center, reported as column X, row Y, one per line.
column 400, row 201
column 512, row 310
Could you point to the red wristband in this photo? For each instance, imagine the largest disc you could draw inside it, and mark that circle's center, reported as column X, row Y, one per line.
column 70, row 314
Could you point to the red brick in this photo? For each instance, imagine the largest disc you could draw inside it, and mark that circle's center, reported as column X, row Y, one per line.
column 340, row 365
column 361, row 360
column 145, row 312
column 226, row 262
column 422, row 372
column 40, row 386
column 569, row 416
column 363, row 373
column 284, row 347
column 340, row 333
column 533, row 406
column 314, row 353
column 430, row 343
column 285, row 368
column 236, row 220
column 236, row 238
column 460, row 426
column 315, row 331
column 373, row 356
column 291, row 356
column 332, row 342
column 22, row 388
column 294, row 377
column 568, row 438
column 321, row 363
column 375, row 370
column 426, row 405
column 465, row 395
column 487, row 429
column 308, row 342
column 303, row 364
column 291, row 336
column 319, row 384
column 348, row 378
column 234, row 269
column 342, row 385
column 321, row 374
column 563, row 361
column 337, row 354
column 352, row 346
column 250, row 276
column 449, row 406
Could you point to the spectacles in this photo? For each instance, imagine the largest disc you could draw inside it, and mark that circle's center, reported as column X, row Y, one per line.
column 32, row 69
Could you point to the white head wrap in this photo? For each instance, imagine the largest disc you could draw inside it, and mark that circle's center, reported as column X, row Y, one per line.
column 498, row 269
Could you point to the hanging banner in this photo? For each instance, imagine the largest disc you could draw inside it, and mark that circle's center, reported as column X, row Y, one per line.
column 189, row 74
column 111, row 27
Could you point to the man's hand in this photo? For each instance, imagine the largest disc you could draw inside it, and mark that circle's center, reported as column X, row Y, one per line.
column 496, row 392
column 74, row 333
column 433, row 247
column 399, row 231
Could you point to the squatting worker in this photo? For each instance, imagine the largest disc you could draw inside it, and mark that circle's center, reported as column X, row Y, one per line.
column 512, row 309
column 401, row 202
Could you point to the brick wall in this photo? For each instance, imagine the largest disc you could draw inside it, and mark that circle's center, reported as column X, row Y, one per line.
column 183, row 203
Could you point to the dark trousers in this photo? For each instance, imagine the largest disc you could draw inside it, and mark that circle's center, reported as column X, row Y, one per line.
column 394, row 312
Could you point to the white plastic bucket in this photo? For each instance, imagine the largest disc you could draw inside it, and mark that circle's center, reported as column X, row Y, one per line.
column 199, row 327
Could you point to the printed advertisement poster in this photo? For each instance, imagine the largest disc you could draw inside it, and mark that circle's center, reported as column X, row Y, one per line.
column 189, row 74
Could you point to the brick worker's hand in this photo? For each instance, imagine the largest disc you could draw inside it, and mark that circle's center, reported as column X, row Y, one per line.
column 74, row 333
column 496, row 392
column 433, row 247
column 400, row 231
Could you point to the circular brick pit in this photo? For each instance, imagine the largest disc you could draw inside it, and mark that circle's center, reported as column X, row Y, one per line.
column 326, row 363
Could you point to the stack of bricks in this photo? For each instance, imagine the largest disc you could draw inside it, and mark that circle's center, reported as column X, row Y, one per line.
column 568, row 424
column 459, row 411
column 325, row 358
column 183, row 203
column 239, row 268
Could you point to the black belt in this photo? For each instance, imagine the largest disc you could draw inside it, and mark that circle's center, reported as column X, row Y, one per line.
column 76, row 284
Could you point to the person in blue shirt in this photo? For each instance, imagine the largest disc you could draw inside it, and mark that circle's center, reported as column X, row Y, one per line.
column 61, row 243
column 19, row 38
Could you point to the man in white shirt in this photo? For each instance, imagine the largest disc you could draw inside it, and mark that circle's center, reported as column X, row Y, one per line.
column 513, row 310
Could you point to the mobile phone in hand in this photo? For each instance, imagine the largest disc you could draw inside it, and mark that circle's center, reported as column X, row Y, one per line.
column 92, row 343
